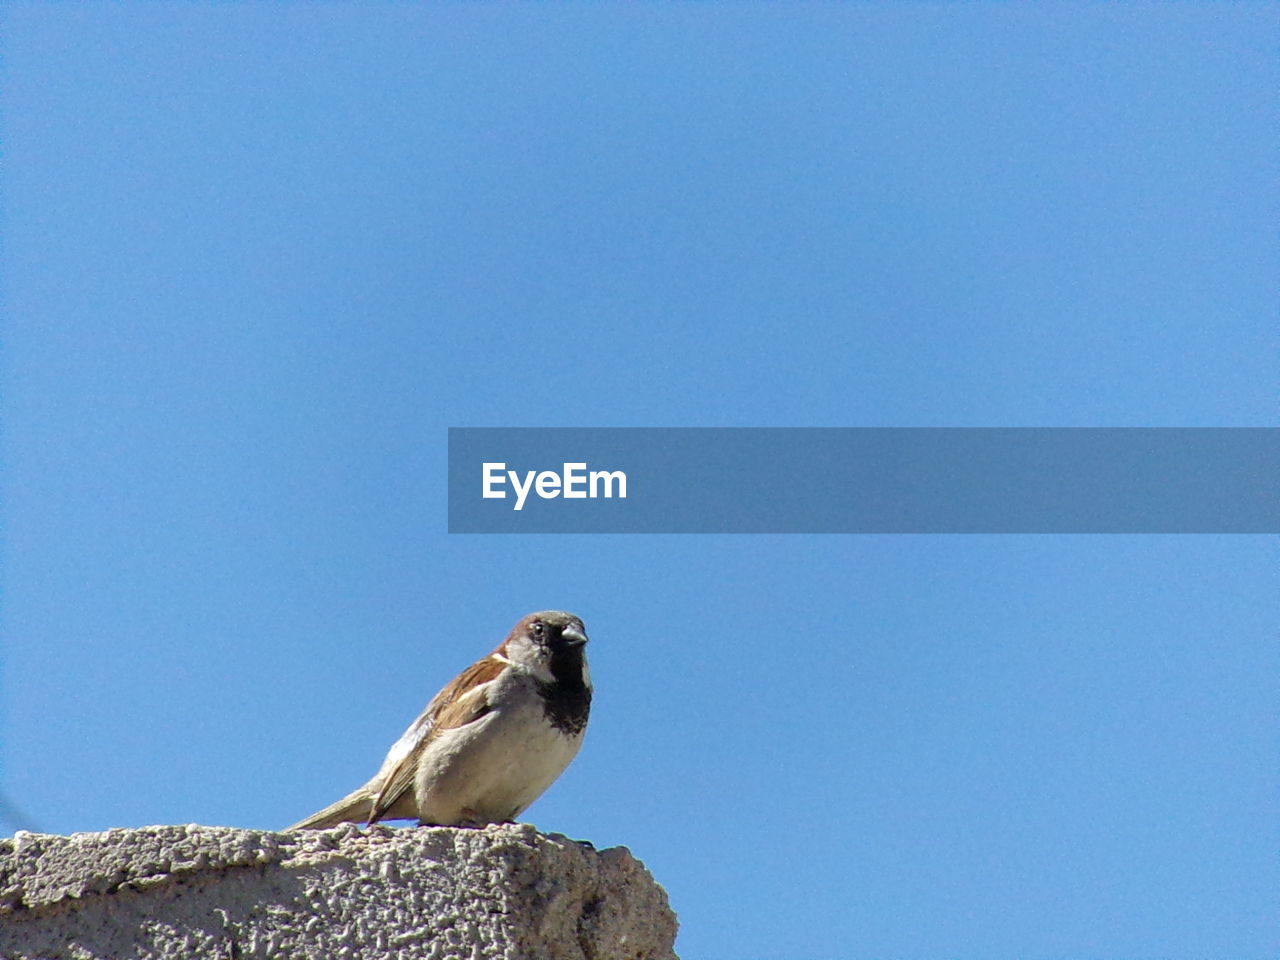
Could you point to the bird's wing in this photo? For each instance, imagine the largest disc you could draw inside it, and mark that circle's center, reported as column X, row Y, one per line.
column 463, row 701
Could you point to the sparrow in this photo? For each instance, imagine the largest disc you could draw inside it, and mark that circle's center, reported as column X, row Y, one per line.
column 490, row 742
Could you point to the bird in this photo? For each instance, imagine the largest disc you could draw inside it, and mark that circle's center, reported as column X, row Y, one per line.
column 490, row 742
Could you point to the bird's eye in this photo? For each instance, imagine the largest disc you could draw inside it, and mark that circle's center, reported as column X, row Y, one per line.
column 537, row 628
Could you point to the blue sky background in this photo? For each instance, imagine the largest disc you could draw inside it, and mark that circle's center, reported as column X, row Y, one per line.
column 259, row 257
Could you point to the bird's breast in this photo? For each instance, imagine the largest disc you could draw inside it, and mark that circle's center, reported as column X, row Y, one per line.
column 493, row 768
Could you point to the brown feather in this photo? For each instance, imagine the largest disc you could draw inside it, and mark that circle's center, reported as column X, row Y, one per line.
column 463, row 701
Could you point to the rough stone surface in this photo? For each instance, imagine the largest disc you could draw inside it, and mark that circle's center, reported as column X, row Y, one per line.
column 348, row 893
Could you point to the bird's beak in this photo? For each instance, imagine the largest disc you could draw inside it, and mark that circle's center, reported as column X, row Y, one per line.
column 573, row 636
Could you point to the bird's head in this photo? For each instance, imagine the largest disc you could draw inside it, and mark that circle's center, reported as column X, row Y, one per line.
column 551, row 645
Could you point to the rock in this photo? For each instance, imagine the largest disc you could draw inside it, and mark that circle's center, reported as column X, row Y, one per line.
column 506, row 891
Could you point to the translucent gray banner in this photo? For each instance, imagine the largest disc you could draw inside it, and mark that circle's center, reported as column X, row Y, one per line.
column 864, row 480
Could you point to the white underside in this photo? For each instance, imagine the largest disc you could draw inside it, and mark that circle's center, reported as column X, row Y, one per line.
column 490, row 770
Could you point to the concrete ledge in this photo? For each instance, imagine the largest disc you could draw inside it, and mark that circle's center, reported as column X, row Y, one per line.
column 505, row 891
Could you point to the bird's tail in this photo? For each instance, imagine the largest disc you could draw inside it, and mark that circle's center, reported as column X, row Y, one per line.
column 355, row 807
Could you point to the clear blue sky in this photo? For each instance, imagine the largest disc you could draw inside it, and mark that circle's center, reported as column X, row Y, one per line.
column 259, row 257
